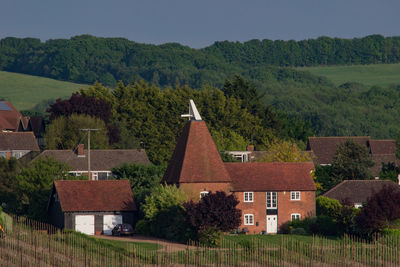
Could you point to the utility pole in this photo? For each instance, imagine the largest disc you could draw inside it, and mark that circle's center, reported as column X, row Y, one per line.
column 89, row 130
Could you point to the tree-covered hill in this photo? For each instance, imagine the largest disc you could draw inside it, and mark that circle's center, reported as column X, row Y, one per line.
column 86, row 58
column 347, row 109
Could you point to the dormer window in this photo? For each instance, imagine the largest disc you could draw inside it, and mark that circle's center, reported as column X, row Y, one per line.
column 248, row 196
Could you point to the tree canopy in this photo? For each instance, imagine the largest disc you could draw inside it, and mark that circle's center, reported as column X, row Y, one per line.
column 34, row 185
column 351, row 162
column 65, row 132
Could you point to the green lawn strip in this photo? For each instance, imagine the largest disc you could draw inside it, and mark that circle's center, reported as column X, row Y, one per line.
column 25, row 91
column 374, row 74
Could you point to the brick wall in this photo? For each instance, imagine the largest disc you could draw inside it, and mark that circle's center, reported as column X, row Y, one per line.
column 305, row 207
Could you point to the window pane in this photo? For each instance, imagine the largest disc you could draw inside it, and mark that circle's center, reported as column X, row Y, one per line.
column 102, row 176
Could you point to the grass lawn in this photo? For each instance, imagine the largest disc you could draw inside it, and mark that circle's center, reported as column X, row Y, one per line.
column 245, row 240
column 115, row 245
column 25, row 91
column 374, row 74
column 126, row 245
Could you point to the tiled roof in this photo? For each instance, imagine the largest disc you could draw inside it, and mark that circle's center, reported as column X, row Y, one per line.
column 18, row 141
column 271, row 176
column 382, row 146
column 10, row 118
column 100, row 160
column 37, row 124
column 357, row 191
column 110, row 195
column 196, row 158
column 378, row 159
column 324, row 148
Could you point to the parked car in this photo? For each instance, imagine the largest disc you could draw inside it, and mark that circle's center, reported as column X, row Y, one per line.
column 122, row 229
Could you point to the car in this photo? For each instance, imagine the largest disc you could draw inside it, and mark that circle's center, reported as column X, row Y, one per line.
column 122, row 229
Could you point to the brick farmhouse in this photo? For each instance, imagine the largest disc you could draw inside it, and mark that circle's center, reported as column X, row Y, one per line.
column 270, row 194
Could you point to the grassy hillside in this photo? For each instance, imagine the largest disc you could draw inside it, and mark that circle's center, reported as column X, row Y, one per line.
column 26, row 91
column 378, row 74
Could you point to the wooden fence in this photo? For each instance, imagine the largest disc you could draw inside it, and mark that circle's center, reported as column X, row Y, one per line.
column 30, row 243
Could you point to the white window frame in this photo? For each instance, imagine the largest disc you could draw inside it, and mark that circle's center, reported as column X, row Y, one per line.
column 248, row 196
column 248, row 219
column 95, row 175
column 273, row 195
column 203, row 194
column 295, row 216
column 295, row 195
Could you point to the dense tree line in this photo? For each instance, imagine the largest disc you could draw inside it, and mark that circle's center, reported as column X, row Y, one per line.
column 86, row 58
column 350, row 109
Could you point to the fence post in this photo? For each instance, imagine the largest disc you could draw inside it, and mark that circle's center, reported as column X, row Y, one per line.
column 84, row 252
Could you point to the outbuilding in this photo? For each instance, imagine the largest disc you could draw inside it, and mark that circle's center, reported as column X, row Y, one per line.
column 91, row 207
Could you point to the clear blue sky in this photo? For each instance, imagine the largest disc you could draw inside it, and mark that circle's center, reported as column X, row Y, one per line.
column 199, row 23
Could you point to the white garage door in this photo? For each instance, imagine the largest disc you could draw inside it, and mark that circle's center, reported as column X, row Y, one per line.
column 84, row 224
column 109, row 221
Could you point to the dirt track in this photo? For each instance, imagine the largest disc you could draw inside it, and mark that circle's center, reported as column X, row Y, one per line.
column 140, row 238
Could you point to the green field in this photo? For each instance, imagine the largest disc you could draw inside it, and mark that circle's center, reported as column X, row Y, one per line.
column 377, row 74
column 25, row 91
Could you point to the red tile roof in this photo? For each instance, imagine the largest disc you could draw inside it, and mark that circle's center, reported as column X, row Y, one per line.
column 18, row 141
column 357, row 191
column 324, row 148
column 383, row 146
column 109, row 195
column 196, row 158
column 271, row 176
column 10, row 118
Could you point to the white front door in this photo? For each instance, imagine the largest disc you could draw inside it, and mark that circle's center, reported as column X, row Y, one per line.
column 272, row 224
column 84, row 224
column 109, row 221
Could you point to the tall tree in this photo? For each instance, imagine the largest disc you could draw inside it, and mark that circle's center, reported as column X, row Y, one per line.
column 34, row 186
column 351, row 162
column 66, row 133
column 80, row 104
column 143, row 179
column 284, row 151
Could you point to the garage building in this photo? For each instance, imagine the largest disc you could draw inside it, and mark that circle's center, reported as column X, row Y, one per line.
column 91, row 207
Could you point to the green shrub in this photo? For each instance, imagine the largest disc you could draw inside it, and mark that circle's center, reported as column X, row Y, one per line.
column 393, row 232
column 328, row 207
column 210, row 237
column 298, row 231
column 325, row 225
column 142, row 227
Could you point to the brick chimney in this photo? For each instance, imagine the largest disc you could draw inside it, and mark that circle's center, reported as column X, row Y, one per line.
column 81, row 150
column 250, row 148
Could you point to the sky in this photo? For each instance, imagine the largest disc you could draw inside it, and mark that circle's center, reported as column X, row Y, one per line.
column 199, row 23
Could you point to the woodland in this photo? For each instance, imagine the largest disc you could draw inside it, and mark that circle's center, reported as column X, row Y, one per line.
column 269, row 66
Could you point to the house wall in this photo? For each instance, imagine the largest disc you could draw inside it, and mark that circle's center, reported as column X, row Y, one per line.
column 192, row 190
column 54, row 212
column 127, row 217
column 305, row 207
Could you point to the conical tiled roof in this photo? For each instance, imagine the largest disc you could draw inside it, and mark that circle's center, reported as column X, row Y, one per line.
column 196, row 158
